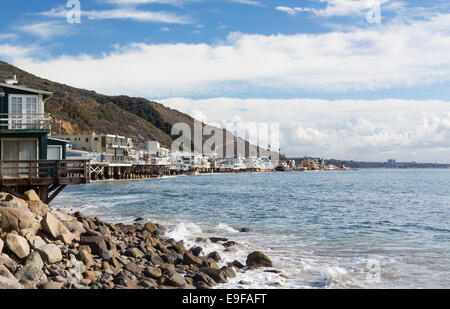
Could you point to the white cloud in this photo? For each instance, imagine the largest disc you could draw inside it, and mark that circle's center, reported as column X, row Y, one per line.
column 125, row 13
column 391, row 55
column 7, row 36
column 46, row 30
column 346, row 129
column 342, row 7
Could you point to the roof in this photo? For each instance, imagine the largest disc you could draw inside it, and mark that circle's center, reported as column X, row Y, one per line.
column 23, row 88
column 59, row 140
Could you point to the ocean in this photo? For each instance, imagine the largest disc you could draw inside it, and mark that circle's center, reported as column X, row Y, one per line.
column 344, row 229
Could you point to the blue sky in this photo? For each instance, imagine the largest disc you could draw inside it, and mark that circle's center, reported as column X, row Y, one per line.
column 247, row 58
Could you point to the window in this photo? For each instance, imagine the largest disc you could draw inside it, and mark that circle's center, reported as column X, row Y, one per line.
column 24, row 111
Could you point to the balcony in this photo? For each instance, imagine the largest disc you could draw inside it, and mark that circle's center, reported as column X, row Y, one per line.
column 24, row 122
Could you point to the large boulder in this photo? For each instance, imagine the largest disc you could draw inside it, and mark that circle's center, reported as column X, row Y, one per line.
column 258, row 259
column 190, row 259
column 56, row 229
column 29, row 273
column 217, row 275
column 31, row 195
column 96, row 243
column 7, row 262
column 34, row 260
column 15, row 219
column 50, row 253
column 4, row 272
column 18, row 245
column 8, row 284
column 9, row 200
column 1, row 245
column 38, row 208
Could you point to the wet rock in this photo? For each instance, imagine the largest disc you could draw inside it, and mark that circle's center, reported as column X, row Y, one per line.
column 229, row 244
column 229, row 272
column 215, row 256
column 243, row 282
column 148, row 283
column 217, row 239
column 152, row 227
column 244, row 230
column 190, row 259
column 167, row 269
column 18, row 245
column 258, row 259
column 201, row 277
column 218, row 276
column 237, row 264
column 196, row 251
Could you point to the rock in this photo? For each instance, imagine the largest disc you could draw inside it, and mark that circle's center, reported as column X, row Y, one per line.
column 38, row 208
column 133, row 268
column 8, row 284
column 190, row 259
column 218, row 276
column 243, row 282
column 217, row 239
column 35, row 260
column 167, row 269
column 29, row 273
column 176, row 280
column 76, row 228
column 153, row 272
column 7, row 262
column 31, row 195
column 50, row 253
column 237, row 264
column 244, row 230
column 14, row 219
column 135, row 252
column 36, row 242
column 4, row 272
column 152, row 227
column 86, row 257
column 258, row 259
column 56, row 229
column 229, row 272
column 90, row 275
column 96, row 243
column 179, row 248
column 52, row 285
column 229, row 244
column 200, row 277
column 18, row 245
column 215, row 256
column 196, row 251
column 156, row 259
column 1, row 246
column 148, row 283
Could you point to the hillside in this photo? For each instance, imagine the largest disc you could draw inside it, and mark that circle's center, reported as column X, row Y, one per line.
column 78, row 111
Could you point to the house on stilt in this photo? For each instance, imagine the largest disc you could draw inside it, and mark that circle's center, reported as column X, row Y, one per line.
column 29, row 157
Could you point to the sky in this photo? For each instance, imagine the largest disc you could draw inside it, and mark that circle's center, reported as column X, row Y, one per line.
column 346, row 79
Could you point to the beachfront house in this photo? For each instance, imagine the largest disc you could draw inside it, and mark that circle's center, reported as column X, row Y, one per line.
column 29, row 157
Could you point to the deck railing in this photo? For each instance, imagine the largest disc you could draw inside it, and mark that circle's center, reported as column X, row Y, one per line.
column 24, row 122
column 44, row 171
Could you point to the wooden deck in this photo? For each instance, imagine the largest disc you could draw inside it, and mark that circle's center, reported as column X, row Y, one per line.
column 44, row 176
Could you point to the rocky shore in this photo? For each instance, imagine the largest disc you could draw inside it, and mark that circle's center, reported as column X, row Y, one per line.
column 45, row 248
